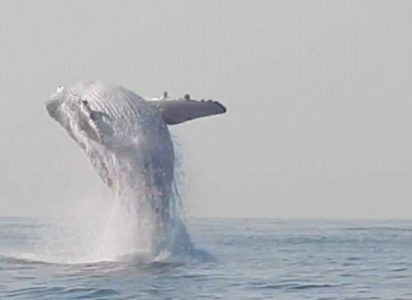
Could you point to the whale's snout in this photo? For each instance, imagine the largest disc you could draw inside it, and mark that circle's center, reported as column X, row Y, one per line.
column 54, row 103
column 52, row 107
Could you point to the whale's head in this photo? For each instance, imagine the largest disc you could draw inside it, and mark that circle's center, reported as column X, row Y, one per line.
column 75, row 115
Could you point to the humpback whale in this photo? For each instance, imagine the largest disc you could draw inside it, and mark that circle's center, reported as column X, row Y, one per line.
column 127, row 140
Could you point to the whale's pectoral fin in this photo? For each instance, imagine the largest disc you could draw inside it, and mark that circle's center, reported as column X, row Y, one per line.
column 179, row 111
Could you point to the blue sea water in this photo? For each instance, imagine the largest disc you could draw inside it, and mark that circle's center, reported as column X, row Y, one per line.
column 249, row 259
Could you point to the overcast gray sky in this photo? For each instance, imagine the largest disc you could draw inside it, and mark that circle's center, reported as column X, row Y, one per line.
column 319, row 100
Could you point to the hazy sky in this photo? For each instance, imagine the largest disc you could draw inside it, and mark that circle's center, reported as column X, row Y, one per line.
column 319, row 100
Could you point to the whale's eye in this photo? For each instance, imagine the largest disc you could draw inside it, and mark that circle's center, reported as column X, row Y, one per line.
column 84, row 102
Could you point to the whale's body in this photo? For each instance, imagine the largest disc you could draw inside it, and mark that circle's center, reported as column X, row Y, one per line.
column 127, row 140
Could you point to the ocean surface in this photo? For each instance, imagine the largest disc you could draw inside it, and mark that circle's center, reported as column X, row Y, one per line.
column 240, row 259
